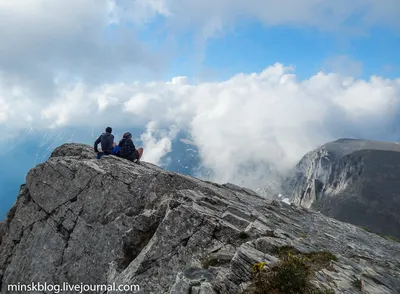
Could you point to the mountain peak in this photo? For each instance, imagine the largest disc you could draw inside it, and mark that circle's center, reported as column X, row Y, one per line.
column 356, row 181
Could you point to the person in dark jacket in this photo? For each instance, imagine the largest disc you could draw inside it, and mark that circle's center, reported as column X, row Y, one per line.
column 127, row 148
column 107, row 142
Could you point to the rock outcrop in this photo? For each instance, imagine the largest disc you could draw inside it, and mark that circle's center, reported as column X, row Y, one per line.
column 354, row 181
column 82, row 220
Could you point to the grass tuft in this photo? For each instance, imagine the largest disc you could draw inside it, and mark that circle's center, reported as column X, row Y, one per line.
column 292, row 275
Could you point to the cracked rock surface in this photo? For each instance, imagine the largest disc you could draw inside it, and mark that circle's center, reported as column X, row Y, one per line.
column 82, row 220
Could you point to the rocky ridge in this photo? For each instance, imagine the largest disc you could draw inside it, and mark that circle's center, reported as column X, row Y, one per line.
column 82, row 220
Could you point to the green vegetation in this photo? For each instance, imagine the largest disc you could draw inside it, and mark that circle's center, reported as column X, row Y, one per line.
column 293, row 274
column 392, row 238
column 258, row 267
column 366, row 229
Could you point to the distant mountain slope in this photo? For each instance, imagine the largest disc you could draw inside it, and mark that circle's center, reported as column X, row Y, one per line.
column 356, row 181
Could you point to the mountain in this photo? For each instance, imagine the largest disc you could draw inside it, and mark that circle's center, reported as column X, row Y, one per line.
column 82, row 221
column 355, row 181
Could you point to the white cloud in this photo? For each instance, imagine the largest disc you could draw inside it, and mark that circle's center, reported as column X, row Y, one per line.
column 344, row 65
column 157, row 142
column 244, row 126
column 212, row 17
column 3, row 111
column 45, row 44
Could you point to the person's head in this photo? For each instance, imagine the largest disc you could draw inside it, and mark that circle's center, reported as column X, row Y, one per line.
column 109, row 130
column 127, row 135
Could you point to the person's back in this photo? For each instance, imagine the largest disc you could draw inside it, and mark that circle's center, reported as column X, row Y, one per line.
column 127, row 148
column 106, row 140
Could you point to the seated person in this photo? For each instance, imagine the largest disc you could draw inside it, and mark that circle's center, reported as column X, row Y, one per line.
column 107, row 142
column 127, row 148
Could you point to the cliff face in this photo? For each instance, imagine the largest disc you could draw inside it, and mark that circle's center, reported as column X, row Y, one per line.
column 351, row 180
column 82, row 220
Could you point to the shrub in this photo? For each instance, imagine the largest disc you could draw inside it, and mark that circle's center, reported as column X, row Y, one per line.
column 258, row 267
column 292, row 275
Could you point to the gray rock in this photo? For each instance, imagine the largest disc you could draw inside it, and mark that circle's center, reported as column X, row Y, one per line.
column 3, row 229
column 82, row 220
column 354, row 181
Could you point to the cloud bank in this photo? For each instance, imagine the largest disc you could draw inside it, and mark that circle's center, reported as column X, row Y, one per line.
column 47, row 44
column 244, row 127
column 71, row 64
column 212, row 17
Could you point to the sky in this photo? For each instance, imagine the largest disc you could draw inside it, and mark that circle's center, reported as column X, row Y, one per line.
column 253, row 84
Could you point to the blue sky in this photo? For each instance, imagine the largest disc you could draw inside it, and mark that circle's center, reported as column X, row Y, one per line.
column 251, row 47
column 307, row 49
column 234, row 75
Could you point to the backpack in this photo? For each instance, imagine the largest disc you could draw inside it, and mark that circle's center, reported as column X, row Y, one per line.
column 116, row 150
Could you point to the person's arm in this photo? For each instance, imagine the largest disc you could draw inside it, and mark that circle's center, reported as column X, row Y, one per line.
column 97, row 143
